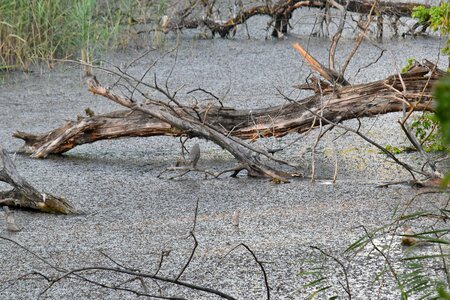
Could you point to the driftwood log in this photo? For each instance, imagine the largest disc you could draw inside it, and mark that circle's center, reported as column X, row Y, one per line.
column 412, row 89
column 281, row 12
column 23, row 195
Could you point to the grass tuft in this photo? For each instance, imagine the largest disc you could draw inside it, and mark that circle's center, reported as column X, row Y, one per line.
column 32, row 31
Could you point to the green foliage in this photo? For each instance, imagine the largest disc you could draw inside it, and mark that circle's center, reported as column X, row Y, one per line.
column 437, row 17
column 409, row 62
column 446, row 180
column 421, row 14
column 35, row 30
column 318, row 281
column 443, row 294
column 160, row 8
column 158, row 38
column 426, row 128
column 398, row 150
column 442, row 96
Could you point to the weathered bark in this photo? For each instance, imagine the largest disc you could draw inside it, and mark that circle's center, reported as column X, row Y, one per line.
column 195, row 126
column 281, row 13
column 342, row 103
column 23, row 195
column 329, row 74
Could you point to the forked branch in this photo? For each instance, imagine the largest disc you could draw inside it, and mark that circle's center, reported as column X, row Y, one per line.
column 228, row 127
column 185, row 122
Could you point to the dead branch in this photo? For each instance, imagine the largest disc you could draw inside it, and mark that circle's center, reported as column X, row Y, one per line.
column 280, row 13
column 260, row 264
column 413, row 140
column 344, row 103
column 336, row 38
column 191, row 234
column 137, row 274
column 184, row 120
column 359, row 40
column 344, row 269
column 329, row 74
column 77, row 273
column 23, row 195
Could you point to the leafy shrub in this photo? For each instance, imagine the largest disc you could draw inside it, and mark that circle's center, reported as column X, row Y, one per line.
column 438, row 19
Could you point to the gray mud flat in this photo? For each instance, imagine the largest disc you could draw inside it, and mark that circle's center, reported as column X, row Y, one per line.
column 132, row 216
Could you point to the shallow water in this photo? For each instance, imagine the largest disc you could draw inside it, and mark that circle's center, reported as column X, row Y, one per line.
column 132, row 215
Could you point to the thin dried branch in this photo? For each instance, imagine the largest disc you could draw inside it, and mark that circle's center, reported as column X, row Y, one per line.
column 191, row 256
column 192, row 234
column 77, row 274
column 331, row 75
column 138, row 274
column 359, row 40
column 419, row 148
column 407, row 167
column 337, row 35
column 346, row 287
column 260, row 264
column 227, row 126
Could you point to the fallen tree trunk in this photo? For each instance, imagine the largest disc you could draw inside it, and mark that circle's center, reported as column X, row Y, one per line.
column 413, row 89
column 23, row 195
column 281, row 12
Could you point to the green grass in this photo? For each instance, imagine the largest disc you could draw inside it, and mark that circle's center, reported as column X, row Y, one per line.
column 32, row 31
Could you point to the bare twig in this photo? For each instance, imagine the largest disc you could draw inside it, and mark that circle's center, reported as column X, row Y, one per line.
column 386, row 259
column 344, row 270
column 419, row 148
column 359, row 40
column 337, row 35
column 263, row 270
column 410, row 169
column 192, row 234
column 139, row 274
